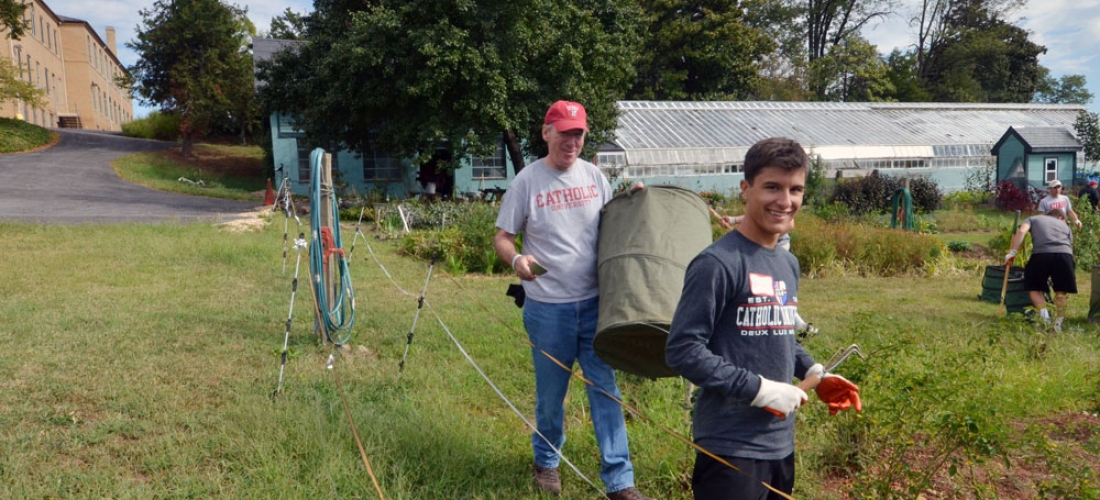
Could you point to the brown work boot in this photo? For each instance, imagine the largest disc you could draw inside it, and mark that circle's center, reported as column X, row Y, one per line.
column 630, row 493
column 548, row 480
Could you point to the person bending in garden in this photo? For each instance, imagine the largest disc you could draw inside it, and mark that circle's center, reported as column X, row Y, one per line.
column 556, row 203
column 733, row 335
column 1051, row 258
column 1056, row 199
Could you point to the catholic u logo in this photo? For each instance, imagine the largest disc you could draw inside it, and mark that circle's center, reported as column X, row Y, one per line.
column 781, row 292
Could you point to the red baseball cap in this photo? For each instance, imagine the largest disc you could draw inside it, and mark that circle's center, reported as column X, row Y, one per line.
column 1093, row 182
column 567, row 115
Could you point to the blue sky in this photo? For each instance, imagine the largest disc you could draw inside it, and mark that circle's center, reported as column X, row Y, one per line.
column 1070, row 29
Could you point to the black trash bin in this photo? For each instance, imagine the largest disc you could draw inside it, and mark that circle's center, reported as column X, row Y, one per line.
column 1016, row 296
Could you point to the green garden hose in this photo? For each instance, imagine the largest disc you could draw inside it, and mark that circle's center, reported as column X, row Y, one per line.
column 902, row 213
column 337, row 313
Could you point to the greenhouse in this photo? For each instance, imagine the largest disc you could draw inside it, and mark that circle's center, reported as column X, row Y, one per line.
column 702, row 145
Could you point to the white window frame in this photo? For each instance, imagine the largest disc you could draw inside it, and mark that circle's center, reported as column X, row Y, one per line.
column 1050, row 173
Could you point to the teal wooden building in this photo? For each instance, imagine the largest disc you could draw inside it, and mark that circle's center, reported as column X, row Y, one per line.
column 1034, row 156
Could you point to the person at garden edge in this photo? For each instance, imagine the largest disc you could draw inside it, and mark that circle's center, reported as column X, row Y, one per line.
column 1091, row 193
column 555, row 202
column 1056, row 199
column 733, row 335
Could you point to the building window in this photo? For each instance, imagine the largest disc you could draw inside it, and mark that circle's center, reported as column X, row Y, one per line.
column 380, row 168
column 1051, row 168
column 304, row 168
column 490, row 167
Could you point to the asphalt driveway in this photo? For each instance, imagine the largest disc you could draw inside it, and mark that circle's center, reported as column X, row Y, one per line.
column 73, row 183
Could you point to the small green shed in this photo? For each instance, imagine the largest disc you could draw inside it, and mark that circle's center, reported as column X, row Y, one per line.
column 1034, row 156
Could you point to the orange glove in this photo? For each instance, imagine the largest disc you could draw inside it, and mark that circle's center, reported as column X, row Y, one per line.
column 839, row 393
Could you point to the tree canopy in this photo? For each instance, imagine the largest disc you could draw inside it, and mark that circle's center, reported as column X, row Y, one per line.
column 14, row 87
column 1087, row 127
column 406, row 78
column 1069, row 89
column 289, row 25
column 193, row 62
column 698, row 50
column 11, row 17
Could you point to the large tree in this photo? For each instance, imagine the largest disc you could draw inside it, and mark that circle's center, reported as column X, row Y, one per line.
column 11, row 18
column 982, row 57
column 832, row 22
column 696, row 50
column 1069, row 89
column 193, row 61
column 407, row 78
column 1087, row 127
column 852, row 71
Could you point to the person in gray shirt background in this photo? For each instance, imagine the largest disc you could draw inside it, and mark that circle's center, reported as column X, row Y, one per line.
column 1051, row 259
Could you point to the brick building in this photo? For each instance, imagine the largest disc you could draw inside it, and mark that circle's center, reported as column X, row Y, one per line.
column 74, row 66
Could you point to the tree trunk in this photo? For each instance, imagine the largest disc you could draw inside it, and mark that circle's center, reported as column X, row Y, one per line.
column 514, row 151
column 187, row 133
column 188, row 141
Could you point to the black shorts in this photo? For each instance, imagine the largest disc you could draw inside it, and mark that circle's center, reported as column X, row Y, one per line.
column 1058, row 267
column 713, row 480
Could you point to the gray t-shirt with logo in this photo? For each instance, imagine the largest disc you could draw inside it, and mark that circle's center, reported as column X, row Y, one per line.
column 735, row 321
column 558, row 212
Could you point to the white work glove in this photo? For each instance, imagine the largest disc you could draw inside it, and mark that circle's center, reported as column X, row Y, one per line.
column 1010, row 256
column 817, row 369
column 778, row 398
column 800, row 325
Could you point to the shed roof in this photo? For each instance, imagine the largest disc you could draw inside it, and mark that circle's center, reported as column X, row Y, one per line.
column 264, row 49
column 720, row 132
column 1042, row 139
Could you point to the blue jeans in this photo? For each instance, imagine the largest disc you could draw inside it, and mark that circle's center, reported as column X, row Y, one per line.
column 565, row 331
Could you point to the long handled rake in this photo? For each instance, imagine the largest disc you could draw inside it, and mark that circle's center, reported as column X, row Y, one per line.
column 1008, row 267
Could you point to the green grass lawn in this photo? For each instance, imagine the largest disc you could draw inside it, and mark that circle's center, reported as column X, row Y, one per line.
column 140, row 363
column 216, row 171
column 17, row 136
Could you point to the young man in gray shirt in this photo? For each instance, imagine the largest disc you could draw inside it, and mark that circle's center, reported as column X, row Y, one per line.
column 733, row 335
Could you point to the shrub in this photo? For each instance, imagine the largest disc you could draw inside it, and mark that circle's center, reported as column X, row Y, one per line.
column 959, row 246
column 875, row 192
column 865, row 194
column 1086, row 241
column 159, row 126
column 926, row 194
column 1010, row 197
column 464, row 244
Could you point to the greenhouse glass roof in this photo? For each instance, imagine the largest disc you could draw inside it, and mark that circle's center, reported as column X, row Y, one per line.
column 720, row 132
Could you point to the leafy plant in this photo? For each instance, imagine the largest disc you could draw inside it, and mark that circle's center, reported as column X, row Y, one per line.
column 1010, row 197
column 959, row 246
